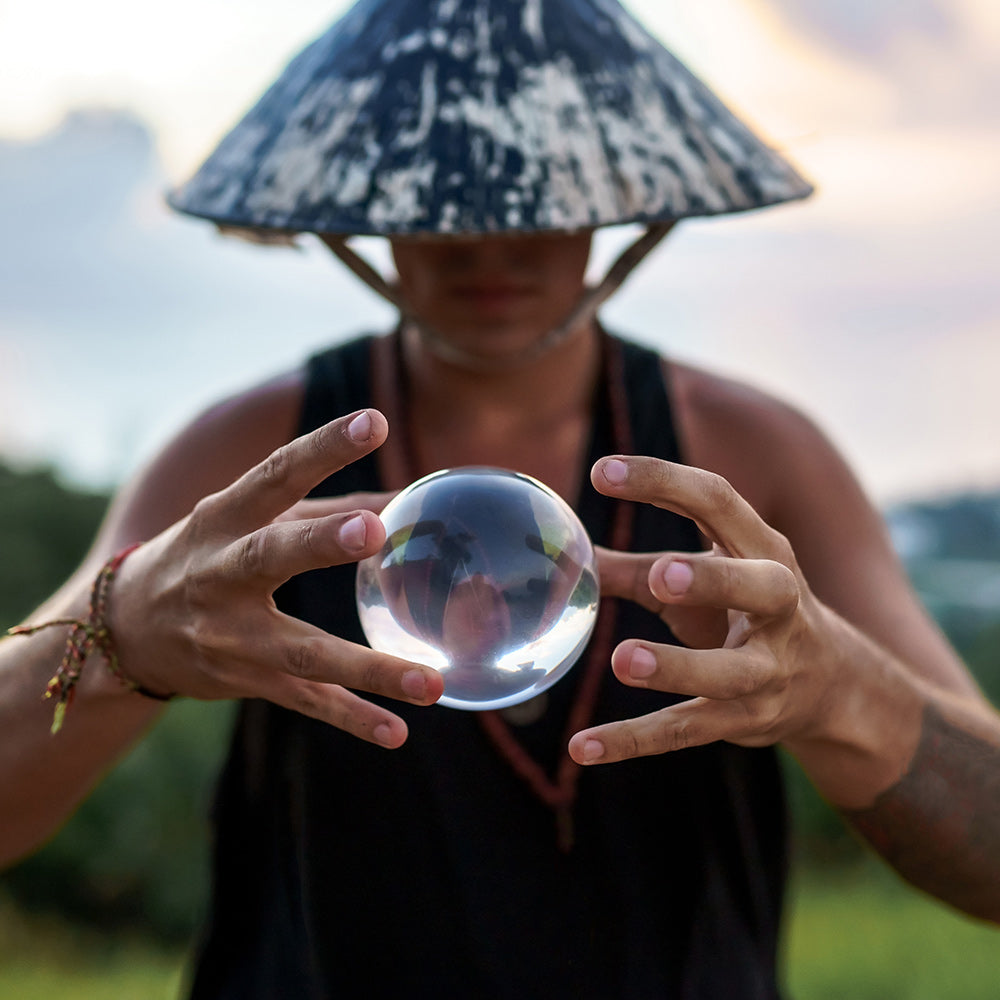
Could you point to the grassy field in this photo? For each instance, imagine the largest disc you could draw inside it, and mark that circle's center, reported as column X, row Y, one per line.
column 866, row 936
column 859, row 937
column 44, row 958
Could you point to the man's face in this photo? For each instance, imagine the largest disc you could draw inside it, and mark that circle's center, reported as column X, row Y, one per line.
column 493, row 295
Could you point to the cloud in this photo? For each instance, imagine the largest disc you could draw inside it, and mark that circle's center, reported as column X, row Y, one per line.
column 870, row 29
column 940, row 58
column 119, row 319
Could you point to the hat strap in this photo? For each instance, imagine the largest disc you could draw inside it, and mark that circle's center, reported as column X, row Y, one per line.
column 582, row 313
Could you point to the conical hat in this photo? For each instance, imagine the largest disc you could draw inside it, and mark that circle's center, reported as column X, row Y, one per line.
column 476, row 116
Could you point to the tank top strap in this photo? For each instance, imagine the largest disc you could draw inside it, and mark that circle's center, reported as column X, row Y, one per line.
column 651, row 413
column 339, row 381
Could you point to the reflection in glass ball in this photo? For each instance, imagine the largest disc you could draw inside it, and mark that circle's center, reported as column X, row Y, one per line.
column 486, row 575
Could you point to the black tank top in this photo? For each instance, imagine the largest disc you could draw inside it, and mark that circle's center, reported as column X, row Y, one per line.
column 345, row 870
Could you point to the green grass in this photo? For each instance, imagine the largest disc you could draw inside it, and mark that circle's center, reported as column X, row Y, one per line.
column 859, row 936
column 866, row 936
column 128, row 976
column 45, row 958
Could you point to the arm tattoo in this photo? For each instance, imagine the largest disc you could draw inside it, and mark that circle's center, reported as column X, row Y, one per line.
column 939, row 825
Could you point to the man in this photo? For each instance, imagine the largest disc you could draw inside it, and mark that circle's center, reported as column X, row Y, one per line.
column 628, row 839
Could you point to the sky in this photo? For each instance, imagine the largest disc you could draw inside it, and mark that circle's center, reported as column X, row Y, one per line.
column 874, row 307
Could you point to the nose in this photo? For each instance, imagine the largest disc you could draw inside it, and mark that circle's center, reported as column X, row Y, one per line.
column 487, row 255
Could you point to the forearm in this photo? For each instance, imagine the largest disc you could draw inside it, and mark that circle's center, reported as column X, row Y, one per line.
column 916, row 770
column 891, row 729
column 44, row 776
column 939, row 825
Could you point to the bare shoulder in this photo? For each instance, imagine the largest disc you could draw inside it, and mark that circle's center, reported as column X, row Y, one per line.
column 212, row 451
column 760, row 443
column 779, row 460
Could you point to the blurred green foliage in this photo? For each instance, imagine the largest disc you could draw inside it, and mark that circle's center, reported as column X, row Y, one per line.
column 45, row 529
column 136, row 853
column 863, row 934
column 47, row 957
column 863, row 937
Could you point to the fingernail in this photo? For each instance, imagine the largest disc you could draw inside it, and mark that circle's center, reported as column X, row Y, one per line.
column 615, row 471
column 677, row 578
column 593, row 750
column 383, row 734
column 360, row 428
column 642, row 664
column 353, row 533
column 414, row 684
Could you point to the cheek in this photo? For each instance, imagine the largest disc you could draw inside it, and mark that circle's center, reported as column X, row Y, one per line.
column 421, row 272
column 564, row 261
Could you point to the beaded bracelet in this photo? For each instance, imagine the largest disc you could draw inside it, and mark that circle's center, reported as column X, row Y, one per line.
column 87, row 635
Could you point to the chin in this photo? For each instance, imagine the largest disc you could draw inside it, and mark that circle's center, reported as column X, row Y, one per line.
column 493, row 340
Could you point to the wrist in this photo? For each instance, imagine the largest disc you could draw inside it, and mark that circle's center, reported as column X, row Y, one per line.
column 90, row 637
column 865, row 728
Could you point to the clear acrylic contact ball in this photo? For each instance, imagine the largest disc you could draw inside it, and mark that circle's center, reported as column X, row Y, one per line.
column 485, row 575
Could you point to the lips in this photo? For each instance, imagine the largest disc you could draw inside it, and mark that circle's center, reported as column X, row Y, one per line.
column 492, row 294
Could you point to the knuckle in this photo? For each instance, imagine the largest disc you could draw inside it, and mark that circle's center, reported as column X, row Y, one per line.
column 657, row 473
column 782, row 549
column 205, row 643
column 302, row 660
column 372, row 678
column 309, row 702
column 195, row 593
column 274, row 470
column 787, row 590
column 205, row 512
column 341, row 717
column 308, row 537
column 762, row 714
column 741, row 685
column 628, row 743
column 680, row 736
column 322, row 441
column 730, row 575
column 721, row 495
column 252, row 553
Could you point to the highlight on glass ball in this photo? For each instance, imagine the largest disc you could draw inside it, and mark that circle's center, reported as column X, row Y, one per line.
column 487, row 576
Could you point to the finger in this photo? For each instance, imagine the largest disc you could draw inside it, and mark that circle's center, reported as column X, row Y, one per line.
column 342, row 709
column 706, row 498
column 723, row 674
column 266, row 558
column 760, row 587
column 697, row 722
column 627, row 575
column 309, row 653
column 288, row 474
column 325, row 506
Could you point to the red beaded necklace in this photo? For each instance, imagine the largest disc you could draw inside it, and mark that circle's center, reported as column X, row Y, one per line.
column 397, row 469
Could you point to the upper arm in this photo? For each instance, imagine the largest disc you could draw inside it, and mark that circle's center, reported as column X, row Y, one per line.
column 798, row 482
column 215, row 449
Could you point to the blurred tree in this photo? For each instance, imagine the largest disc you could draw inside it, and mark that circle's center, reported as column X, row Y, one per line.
column 982, row 653
column 45, row 529
column 135, row 853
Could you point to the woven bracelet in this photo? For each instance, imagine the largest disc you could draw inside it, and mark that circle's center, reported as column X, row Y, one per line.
column 87, row 635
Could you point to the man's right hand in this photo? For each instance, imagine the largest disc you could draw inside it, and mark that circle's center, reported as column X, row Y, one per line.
column 193, row 612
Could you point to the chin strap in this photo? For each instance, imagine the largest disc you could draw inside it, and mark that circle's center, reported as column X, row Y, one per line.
column 582, row 313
